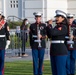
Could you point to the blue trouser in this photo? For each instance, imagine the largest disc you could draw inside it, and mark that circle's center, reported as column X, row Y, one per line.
column 58, row 64
column 2, row 55
column 70, row 67
column 38, row 56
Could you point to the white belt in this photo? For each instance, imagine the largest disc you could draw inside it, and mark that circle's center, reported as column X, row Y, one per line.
column 70, row 42
column 57, row 41
column 2, row 35
column 34, row 36
column 67, row 37
column 37, row 40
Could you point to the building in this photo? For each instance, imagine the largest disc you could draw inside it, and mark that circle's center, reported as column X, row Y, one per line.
column 25, row 8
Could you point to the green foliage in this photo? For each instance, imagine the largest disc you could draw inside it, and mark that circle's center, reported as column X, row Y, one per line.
column 13, row 25
column 25, row 68
column 16, row 42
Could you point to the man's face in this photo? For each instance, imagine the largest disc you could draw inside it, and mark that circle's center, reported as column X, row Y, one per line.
column 50, row 22
column 38, row 19
column 70, row 20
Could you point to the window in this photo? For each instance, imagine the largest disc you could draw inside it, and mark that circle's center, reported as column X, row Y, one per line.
column 11, row 5
column 14, row 3
column 10, row 1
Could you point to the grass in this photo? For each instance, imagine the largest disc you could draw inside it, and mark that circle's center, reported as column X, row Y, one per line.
column 24, row 68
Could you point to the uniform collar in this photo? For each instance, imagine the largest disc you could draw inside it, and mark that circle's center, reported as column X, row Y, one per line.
column 37, row 23
column 59, row 24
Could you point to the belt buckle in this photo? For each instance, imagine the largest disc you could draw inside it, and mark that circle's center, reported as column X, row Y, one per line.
column 61, row 41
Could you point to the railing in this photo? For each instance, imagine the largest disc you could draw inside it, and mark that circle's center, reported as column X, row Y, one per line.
column 15, row 48
column 14, row 18
column 16, row 42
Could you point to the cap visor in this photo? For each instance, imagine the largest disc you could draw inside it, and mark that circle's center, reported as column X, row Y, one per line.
column 46, row 21
column 69, row 17
column 37, row 16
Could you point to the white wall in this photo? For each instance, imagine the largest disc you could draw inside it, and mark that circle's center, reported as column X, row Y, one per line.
column 48, row 8
column 8, row 11
column 31, row 6
column 72, row 7
column 0, row 6
column 54, row 5
column 1, row 12
column 27, row 7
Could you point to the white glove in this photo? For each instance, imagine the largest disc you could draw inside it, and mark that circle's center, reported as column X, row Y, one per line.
column 7, row 44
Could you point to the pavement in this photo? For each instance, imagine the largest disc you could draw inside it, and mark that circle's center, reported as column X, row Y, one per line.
column 13, row 55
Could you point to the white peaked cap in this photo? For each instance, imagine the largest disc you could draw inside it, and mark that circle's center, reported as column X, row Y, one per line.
column 70, row 15
column 37, row 14
column 61, row 13
column 50, row 18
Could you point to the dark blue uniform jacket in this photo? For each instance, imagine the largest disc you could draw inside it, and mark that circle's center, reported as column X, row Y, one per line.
column 4, row 31
column 33, row 31
column 57, row 33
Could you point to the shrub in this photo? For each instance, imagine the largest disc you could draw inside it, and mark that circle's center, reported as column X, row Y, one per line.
column 13, row 25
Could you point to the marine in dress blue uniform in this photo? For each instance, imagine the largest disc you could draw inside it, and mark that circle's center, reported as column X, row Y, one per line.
column 70, row 67
column 37, row 32
column 58, row 49
column 4, row 36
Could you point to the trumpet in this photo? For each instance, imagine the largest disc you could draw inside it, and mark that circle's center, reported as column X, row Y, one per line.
column 71, row 34
column 38, row 38
column 39, row 41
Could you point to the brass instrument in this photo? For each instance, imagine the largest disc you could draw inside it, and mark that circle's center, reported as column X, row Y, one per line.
column 38, row 39
column 71, row 39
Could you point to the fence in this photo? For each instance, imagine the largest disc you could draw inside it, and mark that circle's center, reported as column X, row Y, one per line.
column 15, row 48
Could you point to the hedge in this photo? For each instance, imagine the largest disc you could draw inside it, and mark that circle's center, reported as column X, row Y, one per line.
column 13, row 25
